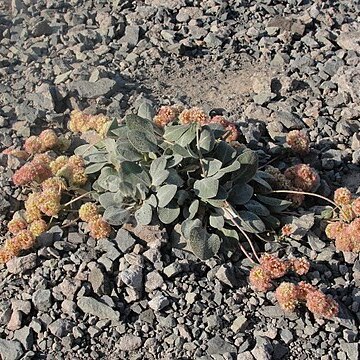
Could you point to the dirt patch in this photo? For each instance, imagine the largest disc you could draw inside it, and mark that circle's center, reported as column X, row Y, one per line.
column 198, row 83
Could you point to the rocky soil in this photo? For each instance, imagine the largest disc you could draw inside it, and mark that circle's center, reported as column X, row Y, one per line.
column 273, row 66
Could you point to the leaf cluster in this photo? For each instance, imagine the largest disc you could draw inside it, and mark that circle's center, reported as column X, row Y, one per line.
column 181, row 173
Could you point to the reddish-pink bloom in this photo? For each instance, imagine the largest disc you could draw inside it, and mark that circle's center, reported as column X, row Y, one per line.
column 273, row 266
column 259, row 279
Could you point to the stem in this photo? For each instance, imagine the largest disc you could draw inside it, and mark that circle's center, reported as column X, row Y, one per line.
column 199, row 151
column 305, row 193
column 247, row 238
column 77, row 198
column 70, row 223
column 243, row 232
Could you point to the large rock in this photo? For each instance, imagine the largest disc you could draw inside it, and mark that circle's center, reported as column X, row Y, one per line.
column 10, row 350
column 92, row 90
column 349, row 38
column 21, row 264
column 129, row 342
column 93, row 307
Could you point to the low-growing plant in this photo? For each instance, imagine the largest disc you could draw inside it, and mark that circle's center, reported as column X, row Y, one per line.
column 178, row 167
column 183, row 171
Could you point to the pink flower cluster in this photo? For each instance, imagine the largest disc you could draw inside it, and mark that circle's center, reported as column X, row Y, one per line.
column 303, row 177
column 346, row 231
column 289, row 295
column 82, row 122
column 298, row 141
column 271, row 267
column 168, row 114
column 300, row 177
column 37, row 170
column 98, row 227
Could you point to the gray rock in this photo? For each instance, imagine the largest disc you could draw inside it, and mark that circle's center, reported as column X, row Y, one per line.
column 218, row 346
column 147, row 316
column 226, row 274
column 93, row 307
column 351, row 349
column 92, row 90
column 5, row 312
column 246, row 355
column 260, row 353
column 167, row 321
column 131, row 35
column 21, row 305
column 42, row 28
column 239, row 324
column 286, row 335
column 124, row 240
column 133, row 277
column 15, row 320
column 271, row 311
column 263, row 98
column 10, row 350
column 129, row 342
column 350, row 336
column 42, row 299
column 212, row 40
column 21, row 264
column 26, row 337
column 288, row 119
column 159, row 302
column 349, row 40
column 173, row 270
column 60, row 327
column 97, row 280
column 153, row 281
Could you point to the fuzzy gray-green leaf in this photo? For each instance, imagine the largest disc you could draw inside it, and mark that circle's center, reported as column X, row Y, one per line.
column 206, row 188
column 204, row 246
column 193, row 208
column 143, row 215
column 108, row 199
column 249, row 166
column 116, row 215
column 250, row 222
column 165, row 194
column 188, row 136
column 187, row 225
column 257, row 208
column 146, row 111
column 224, row 152
column 93, row 168
column 158, row 172
column 127, row 152
column 206, row 140
column 135, row 122
column 240, row 194
column 216, row 221
column 173, row 133
column 211, row 166
column 168, row 214
column 277, row 205
column 141, row 141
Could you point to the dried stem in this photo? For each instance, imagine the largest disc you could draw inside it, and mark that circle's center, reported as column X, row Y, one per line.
column 77, row 198
column 305, row 193
column 231, row 215
column 70, row 223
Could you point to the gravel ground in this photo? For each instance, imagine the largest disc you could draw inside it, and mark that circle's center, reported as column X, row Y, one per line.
column 273, row 66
